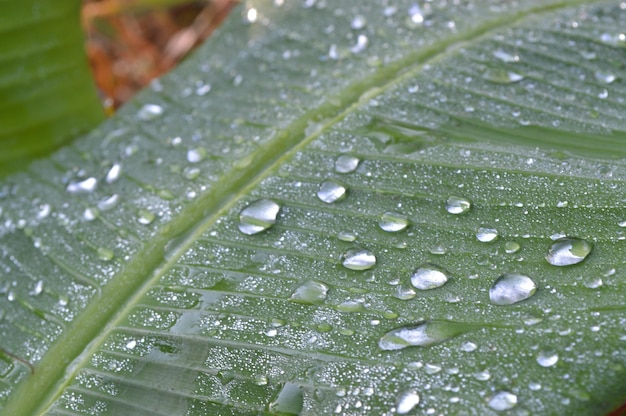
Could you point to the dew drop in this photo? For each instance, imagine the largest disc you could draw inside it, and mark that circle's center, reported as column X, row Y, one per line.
column 346, row 164
column 346, row 236
column 567, row 251
column 44, row 211
column 331, row 191
column 149, row 112
column 82, row 187
column 502, row 76
column 258, row 216
column 406, row 401
column 424, row 334
column 468, row 346
column 114, row 173
column 547, row 358
column 260, row 380
column 145, row 217
column 91, row 214
column 429, row 276
column 105, row 254
column 289, row 400
column 195, row 155
column 511, row 288
column 358, row 22
column 393, row 222
column 109, row 203
column 358, row 259
column 486, row 234
column 502, row 401
column 310, row 292
column 505, row 56
column 361, row 44
column 593, row 283
column 37, row 289
column 512, row 247
column 457, row 205
column 191, row 173
column 605, row 77
column 404, row 293
column 415, row 15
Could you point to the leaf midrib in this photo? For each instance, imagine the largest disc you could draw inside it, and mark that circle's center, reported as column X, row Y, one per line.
column 91, row 327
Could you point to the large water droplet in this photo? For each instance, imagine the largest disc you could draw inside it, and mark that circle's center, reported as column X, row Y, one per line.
column 346, row 164
column 149, row 112
column 358, row 259
column 511, row 288
column 547, row 358
column 457, row 205
column 429, row 276
column 502, row 401
column 310, row 292
column 82, row 187
column 567, row 251
column 331, row 191
column 393, row 222
column 406, row 401
column 258, row 216
column 289, row 400
column 486, row 234
column 424, row 334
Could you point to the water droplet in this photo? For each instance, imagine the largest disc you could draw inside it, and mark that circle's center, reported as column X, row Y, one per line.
column 346, row 164
column 415, row 15
column 424, row 334
column 203, row 89
column 260, row 380
column 191, row 173
column 505, row 56
column 512, row 247
column 105, row 254
column 44, row 211
column 358, row 22
column 547, row 358
column 195, row 155
column 131, row 344
column 567, row 251
column 109, row 203
column 145, row 217
column 331, row 191
column 393, row 222
column 289, row 400
column 361, row 44
column 82, row 187
column 406, row 401
column 593, row 283
column 37, row 289
column 114, row 173
column 502, row 76
column 91, row 214
column 468, row 346
column 258, row 216
column 502, row 401
column 511, row 288
column 149, row 112
column 346, row 236
column 310, row 292
column 457, row 205
column 404, row 293
column 359, row 259
column 605, row 77
column 486, row 234
column 429, row 276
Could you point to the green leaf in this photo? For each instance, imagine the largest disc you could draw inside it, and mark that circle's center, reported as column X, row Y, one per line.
column 47, row 95
column 337, row 208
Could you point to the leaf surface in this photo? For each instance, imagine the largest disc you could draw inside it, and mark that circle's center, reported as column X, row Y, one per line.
column 420, row 163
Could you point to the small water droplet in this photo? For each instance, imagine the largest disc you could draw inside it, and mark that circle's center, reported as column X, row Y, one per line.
column 131, row 344
column 91, row 214
column 457, row 205
column 346, row 164
column 44, row 211
column 191, row 173
column 331, row 191
column 358, row 259
column 438, row 249
column 486, row 234
column 547, row 358
column 196, row 154
column 404, row 293
column 358, row 22
column 361, row 44
column 149, row 112
column 605, row 77
column 502, row 401
column 37, row 289
column 468, row 346
column 393, row 222
column 593, row 283
column 260, row 380
column 512, row 247
column 424, row 334
column 346, row 236
column 145, row 217
column 105, row 254
column 511, row 288
column 429, row 276
column 310, row 292
column 82, row 187
column 109, row 203
column 567, row 251
column 114, row 173
column 406, row 401
column 258, row 216
column 415, row 15
column 502, row 76
column 203, row 89
column 289, row 400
